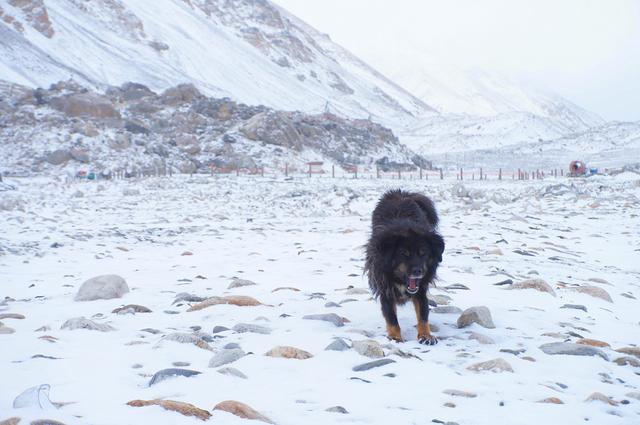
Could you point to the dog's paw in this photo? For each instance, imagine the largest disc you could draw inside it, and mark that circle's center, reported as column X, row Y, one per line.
column 428, row 340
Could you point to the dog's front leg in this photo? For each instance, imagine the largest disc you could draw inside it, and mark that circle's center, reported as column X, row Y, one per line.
column 422, row 315
column 391, row 317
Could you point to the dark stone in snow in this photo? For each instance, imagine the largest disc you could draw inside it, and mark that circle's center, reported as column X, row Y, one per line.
column 170, row 373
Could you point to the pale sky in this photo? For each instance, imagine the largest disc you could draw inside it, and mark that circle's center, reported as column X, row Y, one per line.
column 585, row 50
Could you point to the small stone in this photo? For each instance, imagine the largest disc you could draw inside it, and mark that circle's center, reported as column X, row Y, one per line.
column 446, row 309
column 82, row 323
column 170, row 373
column 238, row 300
column 185, row 409
column 224, row 357
column 181, row 364
column 337, row 409
column 247, row 327
column 288, row 352
column 368, row 348
column 575, row 306
column 496, row 251
column 102, row 287
column 286, row 288
column 495, row 365
column 482, row 339
column 592, row 342
column 232, row 372
column 5, row 330
column 337, row 345
column 601, row 397
column 327, row 317
column 537, row 284
column 440, row 299
column 46, row 422
column 218, row 329
column 186, row 253
column 331, row 304
column 594, row 291
column 238, row 283
column 459, row 393
column 554, row 348
column 11, row 421
column 528, row 358
column 370, row 365
column 133, row 308
column 231, row 346
column 449, row 404
column 633, row 351
column 515, row 352
column 551, row 400
column 480, row 315
column 357, row 291
column 241, row 410
column 634, row 394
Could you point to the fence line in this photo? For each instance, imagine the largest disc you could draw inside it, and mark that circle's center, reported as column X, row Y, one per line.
column 345, row 172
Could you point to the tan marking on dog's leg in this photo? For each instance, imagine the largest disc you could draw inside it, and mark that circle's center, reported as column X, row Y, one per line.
column 393, row 331
column 424, row 330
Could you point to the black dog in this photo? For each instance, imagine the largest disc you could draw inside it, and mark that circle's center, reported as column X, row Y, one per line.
column 403, row 254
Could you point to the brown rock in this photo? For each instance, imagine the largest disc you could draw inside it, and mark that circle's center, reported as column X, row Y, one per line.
column 459, row 393
column 185, row 409
column 626, row 360
column 495, row 365
column 551, row 400
column 288, row 353
column 633, row 351
column 186, row 253
column 133, row 307
column 482, row 339
column 239, row 300
column 10, row 421
column 592, row 342
column 601, row 397
column 594, row 291
column 537, row 284
column 242, row 410
column 91, row 105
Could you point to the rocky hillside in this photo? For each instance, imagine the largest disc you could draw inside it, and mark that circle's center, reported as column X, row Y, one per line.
column 131, row 127
column 248, row 50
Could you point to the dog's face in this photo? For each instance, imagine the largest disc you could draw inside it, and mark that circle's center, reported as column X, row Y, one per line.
column 414, row 257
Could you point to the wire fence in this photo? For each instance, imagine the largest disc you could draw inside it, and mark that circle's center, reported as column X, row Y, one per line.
column 318, row 170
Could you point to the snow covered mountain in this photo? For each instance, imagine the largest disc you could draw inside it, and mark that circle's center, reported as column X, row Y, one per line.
column 248, row 50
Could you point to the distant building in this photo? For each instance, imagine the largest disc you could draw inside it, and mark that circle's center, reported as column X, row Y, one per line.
column 315, row 167
column 577, row 168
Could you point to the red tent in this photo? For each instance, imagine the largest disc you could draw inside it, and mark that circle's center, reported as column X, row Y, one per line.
column 577, row 168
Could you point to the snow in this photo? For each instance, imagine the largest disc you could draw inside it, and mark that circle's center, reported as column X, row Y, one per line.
column 309, row 234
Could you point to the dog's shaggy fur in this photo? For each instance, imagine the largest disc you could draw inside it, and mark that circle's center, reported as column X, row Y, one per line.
column 403, row 254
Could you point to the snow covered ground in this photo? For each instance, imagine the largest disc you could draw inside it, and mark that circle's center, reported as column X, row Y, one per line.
column 168, row 236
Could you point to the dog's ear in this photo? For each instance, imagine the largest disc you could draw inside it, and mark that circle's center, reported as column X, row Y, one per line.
column 437, row 245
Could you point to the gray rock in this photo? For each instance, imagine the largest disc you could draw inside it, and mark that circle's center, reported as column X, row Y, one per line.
column 232, row 371
column 80, row 155
column 571, row 349
column 247, row 327
column 368, row 348
column 82, row 323
column 446, row 309
column 224, row 357
column 480, row 315
column 337, row 345
column 231, row 345
column 371, row 365
column 494, row 365
column 238, row 283
column 185, row 338
column 575, row 307
column 337, row 409
column 186, row 297
column 170, row 373
column 90, row 105
column 327, row 317
column 58, row 157
column 332, row 304
column 218, row 329
column 103, row 287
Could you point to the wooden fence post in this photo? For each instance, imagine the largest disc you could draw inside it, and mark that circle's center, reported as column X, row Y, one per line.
column 500, row 174
column 441, row 174
column 377, row 172
column 461, row 175
column 333, row 171
column 286, row 170
column 356, row 172
column 309, row 170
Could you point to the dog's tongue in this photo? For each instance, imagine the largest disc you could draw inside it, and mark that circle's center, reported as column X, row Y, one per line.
column 413, row 284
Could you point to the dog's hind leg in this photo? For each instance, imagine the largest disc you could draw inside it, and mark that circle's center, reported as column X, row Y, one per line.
column 391, row 317
column 422, row 315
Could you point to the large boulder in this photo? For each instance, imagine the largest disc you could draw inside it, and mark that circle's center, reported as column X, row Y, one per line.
column 89, row 105
column 274, row 128
column 182, row 93
column 103, row 287
column 58, row 157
